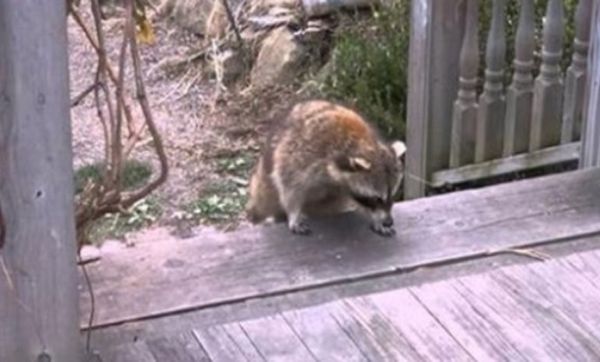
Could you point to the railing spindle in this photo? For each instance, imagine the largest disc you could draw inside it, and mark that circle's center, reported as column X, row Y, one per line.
column 519, row 96
column 575, row 78
column 462, row 148
column 490, row 118
column 548, row 88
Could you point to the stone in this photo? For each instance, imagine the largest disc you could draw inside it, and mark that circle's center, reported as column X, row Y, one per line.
column 192, row 15
column 280, row 61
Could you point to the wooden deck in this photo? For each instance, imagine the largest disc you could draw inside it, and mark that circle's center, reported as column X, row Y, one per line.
column 458, row 282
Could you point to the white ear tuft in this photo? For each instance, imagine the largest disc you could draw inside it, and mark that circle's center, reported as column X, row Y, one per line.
column 360, row 163
column 399, row 148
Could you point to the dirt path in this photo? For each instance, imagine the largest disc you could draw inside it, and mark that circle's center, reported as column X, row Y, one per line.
column 210, row 150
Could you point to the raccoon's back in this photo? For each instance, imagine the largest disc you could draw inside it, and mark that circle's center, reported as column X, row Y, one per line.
column 318, row 130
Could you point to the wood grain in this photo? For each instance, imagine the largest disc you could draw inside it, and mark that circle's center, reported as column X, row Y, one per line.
column 421, row 328
column 323, row 336
column 179, row 348
column 217, row 268
column 276, row 341
column 532, row 312
column 131, row 352
column 532, row 330
column 39, row 309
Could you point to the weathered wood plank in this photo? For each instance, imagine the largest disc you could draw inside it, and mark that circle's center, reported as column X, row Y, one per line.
column 131, row 352
column 218, row 268
column 532, row 312
column 590, row 151
column 527, row 161
column 481, row 336
column 418, row 98
column 275, row 340
column 220, row 345
column 565, row 304
column 436, row 32
column 533, row 330
column 588, row 265
column 419, row 326
column 323, row 336
column 179, row 348
column 375, row 335
column 39, row 312
column 353, row 325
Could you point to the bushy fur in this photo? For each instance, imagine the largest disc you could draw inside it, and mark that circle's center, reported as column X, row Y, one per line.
column 325, row 158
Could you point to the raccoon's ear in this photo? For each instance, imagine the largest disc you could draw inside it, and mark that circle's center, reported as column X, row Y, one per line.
column 399, row 149
column 352, row 164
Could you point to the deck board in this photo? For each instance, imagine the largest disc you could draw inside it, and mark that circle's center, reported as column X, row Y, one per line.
column 481, row 336
column 543, row 311
column 375, row 335
column 213, row 269
column 534, row 331
column 130, row 352
column 276, row 341
column 325, row 338
column 226, row 343
column 177, row 348
column 422, row 329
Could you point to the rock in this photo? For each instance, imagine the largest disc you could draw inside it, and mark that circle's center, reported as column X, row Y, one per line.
column 89, row 253
column 280, row 60
column 232, row 65
column 191, row 15
column 314, row 8
column 216, row 24
column 261, row 7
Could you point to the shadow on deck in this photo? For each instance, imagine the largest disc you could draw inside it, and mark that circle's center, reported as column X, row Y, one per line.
column 432, row 292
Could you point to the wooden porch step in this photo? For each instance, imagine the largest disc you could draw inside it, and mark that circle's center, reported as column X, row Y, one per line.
column 158, row 279
column 539, row 311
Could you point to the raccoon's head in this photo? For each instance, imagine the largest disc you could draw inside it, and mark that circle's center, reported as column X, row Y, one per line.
column 372, row 179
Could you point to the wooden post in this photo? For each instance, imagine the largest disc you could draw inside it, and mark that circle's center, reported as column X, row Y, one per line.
column 576, row 77
column 437, row 28
column 39, row 310
column 590, row 150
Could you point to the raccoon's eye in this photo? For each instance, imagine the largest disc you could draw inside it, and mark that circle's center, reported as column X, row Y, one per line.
column 368, row 201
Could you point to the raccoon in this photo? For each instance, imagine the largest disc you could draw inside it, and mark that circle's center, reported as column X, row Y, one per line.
column 325, row 158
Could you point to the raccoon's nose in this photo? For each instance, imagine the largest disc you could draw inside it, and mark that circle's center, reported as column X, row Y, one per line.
column 388, row 222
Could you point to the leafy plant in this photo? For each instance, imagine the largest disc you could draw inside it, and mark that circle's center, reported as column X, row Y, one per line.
column 369, row 65
column 220, row 203
column 143, row 213
column 236, row 165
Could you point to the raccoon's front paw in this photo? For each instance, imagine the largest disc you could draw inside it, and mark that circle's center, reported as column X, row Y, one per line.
column 300, row 228
column 383, row 230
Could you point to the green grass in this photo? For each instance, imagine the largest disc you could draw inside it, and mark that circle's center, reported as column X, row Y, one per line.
column 135, row 174
column 219, row 203
column 143, row 213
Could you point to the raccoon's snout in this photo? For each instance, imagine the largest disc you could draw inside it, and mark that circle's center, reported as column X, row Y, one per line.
column 388, row 221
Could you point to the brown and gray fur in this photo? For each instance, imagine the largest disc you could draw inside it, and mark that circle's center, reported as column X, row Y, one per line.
column 325, row 158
